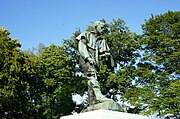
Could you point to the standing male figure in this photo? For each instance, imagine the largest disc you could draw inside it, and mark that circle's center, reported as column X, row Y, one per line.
column 92, row 47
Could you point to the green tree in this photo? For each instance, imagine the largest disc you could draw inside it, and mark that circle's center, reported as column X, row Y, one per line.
column 14, row 68
column 53, row 82
column 34, row 85
column 159, row 69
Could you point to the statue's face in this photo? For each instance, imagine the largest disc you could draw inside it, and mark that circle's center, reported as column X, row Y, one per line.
column 101, row 28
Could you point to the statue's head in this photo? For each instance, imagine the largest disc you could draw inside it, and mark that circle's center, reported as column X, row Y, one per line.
column 99, row 27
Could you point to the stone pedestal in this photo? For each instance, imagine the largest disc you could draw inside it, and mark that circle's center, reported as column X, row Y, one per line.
column 104, row 114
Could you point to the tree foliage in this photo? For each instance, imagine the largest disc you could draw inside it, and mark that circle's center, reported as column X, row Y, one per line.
column 34, row 85
column 52, row 82
column 14, row 69
column 159, row 67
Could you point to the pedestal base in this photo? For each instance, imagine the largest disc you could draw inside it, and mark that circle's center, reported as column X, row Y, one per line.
column 104, row 114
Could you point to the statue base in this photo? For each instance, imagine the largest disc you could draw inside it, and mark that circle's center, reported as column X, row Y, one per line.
column 107, row 105
column 104, row 114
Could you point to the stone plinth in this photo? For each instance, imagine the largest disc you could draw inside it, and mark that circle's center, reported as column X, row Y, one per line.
column 104, row 114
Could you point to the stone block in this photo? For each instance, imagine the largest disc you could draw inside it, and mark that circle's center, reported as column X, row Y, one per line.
column 104, row 114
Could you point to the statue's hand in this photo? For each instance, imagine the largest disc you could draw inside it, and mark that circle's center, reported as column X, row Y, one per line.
column 90, row 60
column 105, row 55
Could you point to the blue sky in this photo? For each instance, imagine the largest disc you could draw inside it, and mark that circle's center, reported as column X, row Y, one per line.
column 49, row 21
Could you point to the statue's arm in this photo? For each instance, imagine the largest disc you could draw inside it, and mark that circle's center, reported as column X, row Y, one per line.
column 83, row 49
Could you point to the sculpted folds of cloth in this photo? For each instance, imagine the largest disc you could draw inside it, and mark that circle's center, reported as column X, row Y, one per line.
column 91, row 48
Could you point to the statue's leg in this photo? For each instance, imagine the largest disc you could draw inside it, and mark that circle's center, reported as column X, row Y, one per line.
column 91, row 96
column 95, row 91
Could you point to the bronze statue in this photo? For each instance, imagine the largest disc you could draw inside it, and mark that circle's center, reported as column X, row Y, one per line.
column 92, row 48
